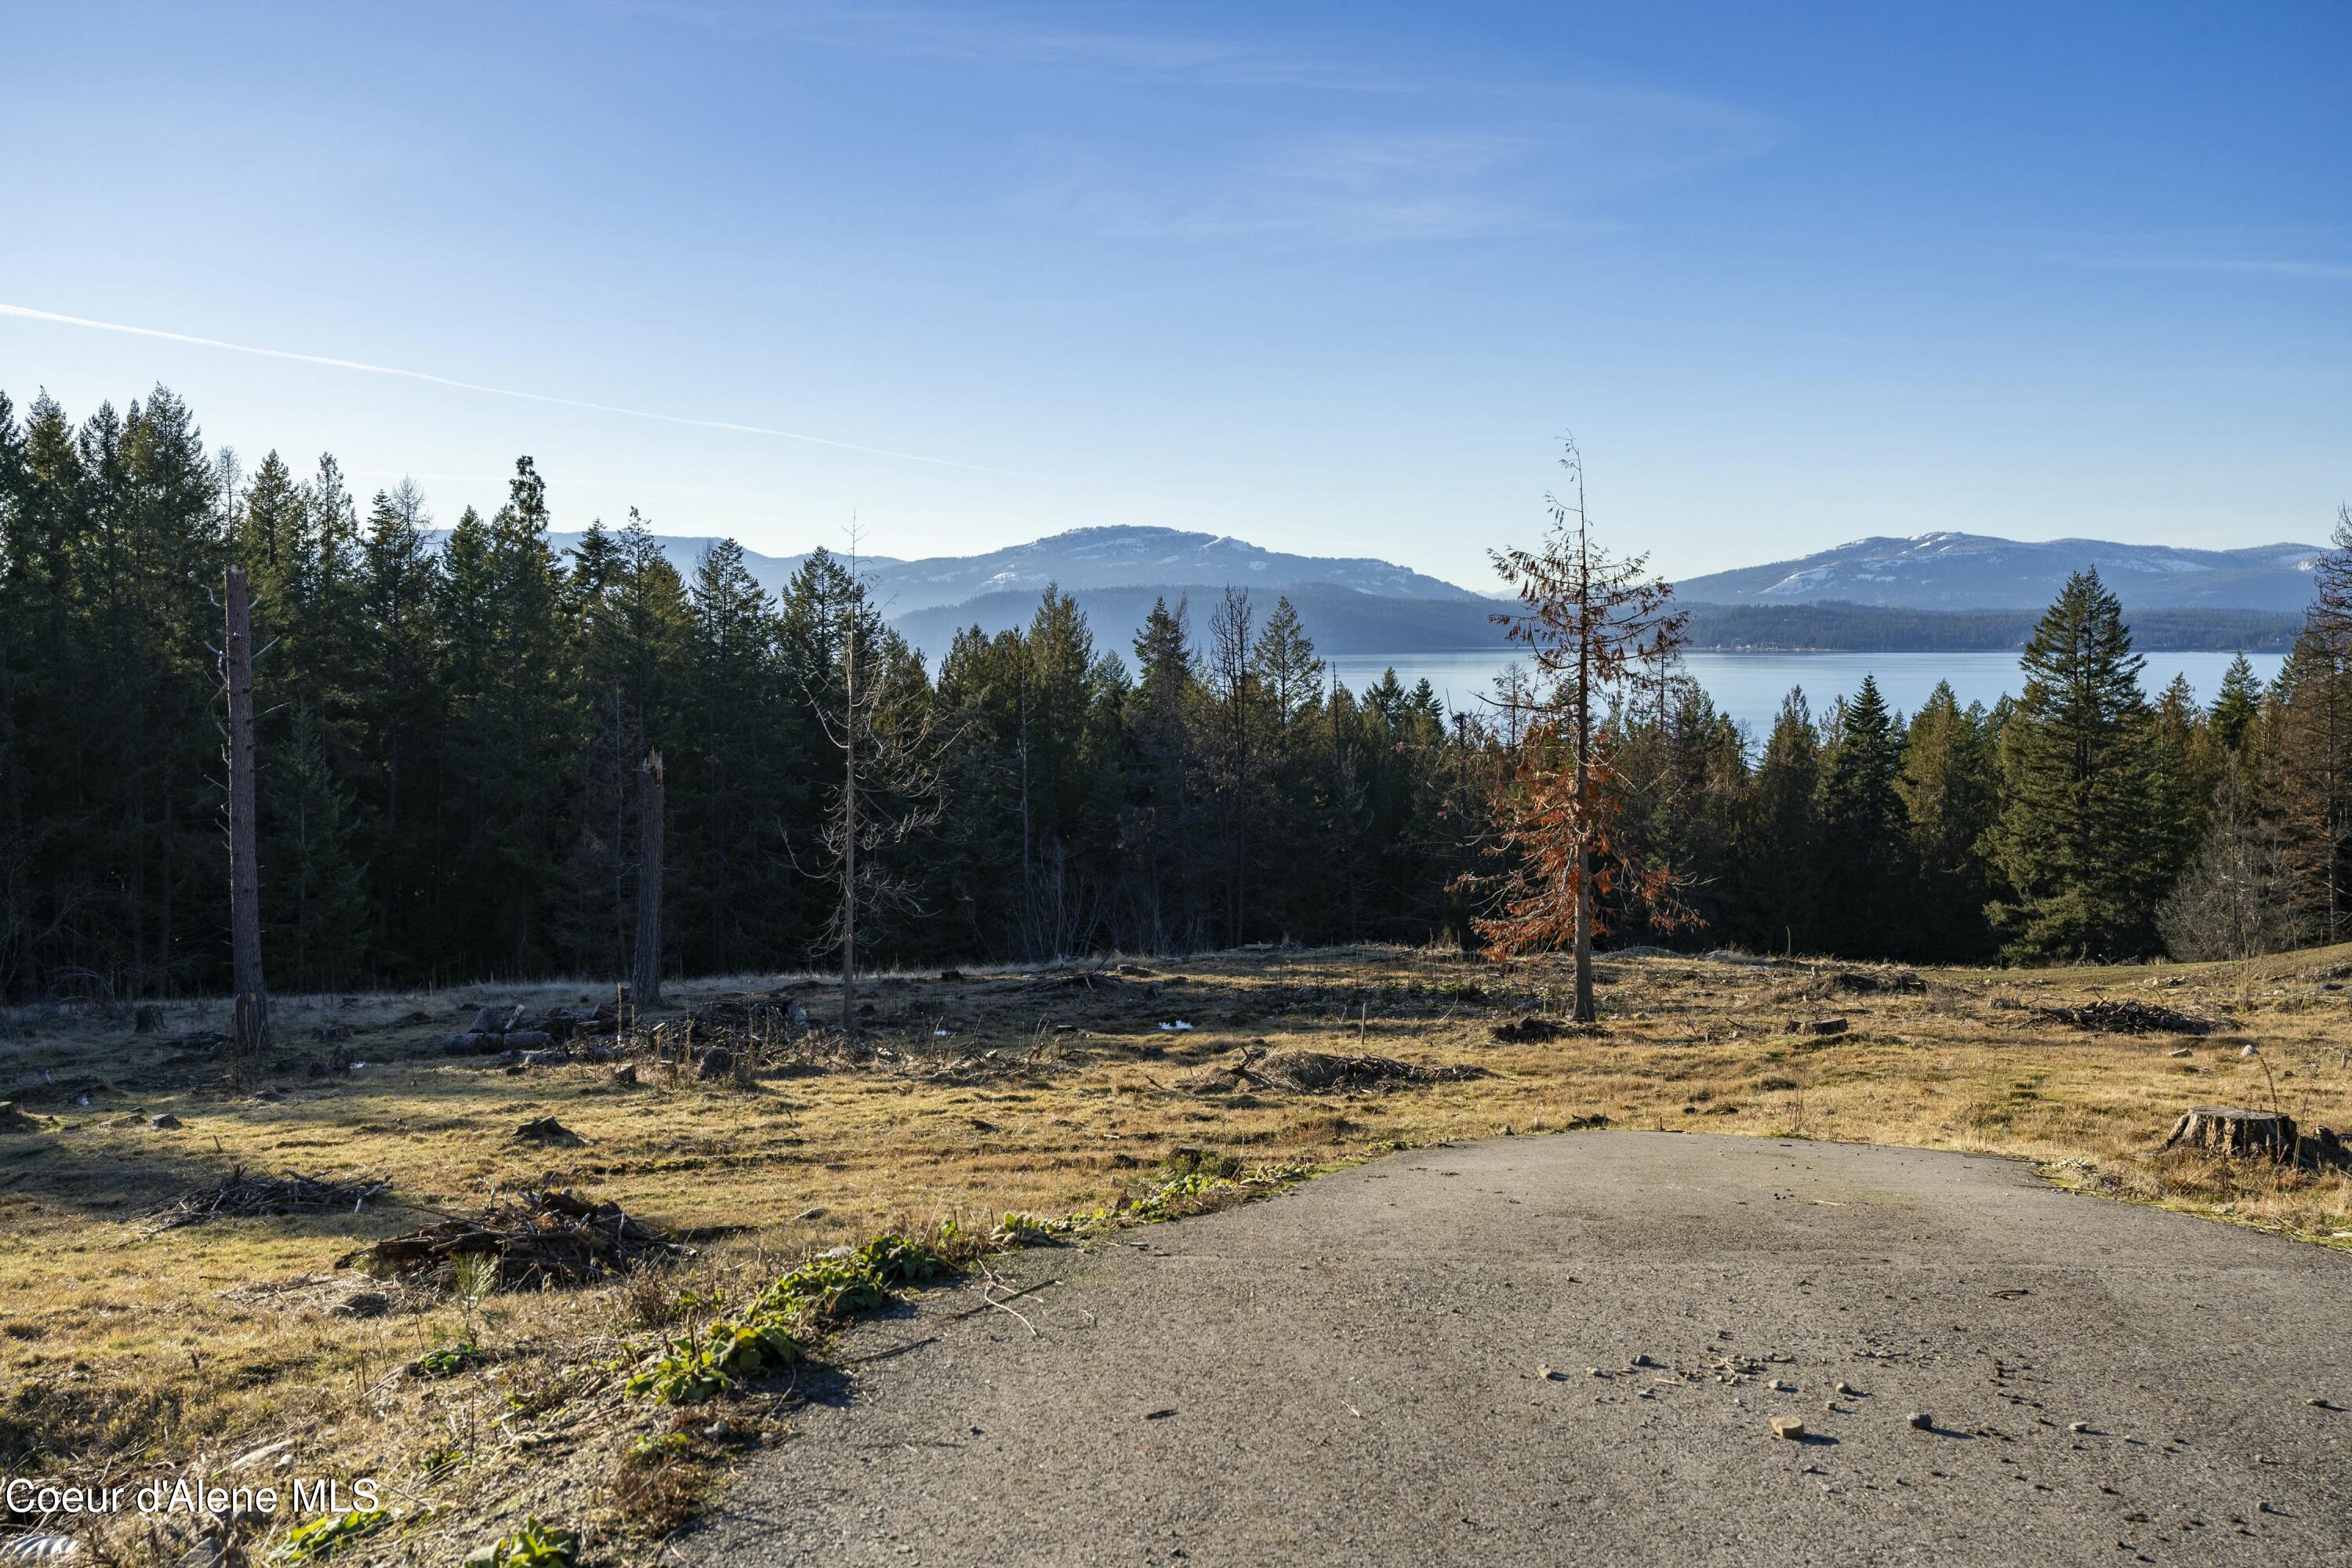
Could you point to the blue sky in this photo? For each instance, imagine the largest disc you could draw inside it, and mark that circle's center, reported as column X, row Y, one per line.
column 1333, row 279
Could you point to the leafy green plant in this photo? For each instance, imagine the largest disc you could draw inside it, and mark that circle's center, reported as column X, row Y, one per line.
column 898, row 1260
column 823, row 1288
column 533, row 1545
column 1162, row 1201
column 720, row 1357
column 1017, row 1229
column 766, row 1335
column 448, row 1361
column 323, row 1537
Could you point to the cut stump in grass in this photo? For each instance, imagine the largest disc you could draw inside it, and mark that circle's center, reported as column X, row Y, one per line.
column 2234, row 1133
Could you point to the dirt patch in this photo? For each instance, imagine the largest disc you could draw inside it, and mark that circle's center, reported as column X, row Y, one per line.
column 1531, row 1030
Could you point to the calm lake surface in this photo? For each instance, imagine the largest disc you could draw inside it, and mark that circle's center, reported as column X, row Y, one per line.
column 1749, row 686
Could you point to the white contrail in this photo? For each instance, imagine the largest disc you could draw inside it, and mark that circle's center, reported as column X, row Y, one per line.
column 28, row 313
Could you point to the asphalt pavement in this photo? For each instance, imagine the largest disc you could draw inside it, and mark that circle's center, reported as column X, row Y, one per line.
column 1571, row 1349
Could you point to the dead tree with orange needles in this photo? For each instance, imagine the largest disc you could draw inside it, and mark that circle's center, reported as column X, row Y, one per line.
column 1598, row 628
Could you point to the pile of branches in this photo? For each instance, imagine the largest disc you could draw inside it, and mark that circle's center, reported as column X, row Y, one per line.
column 1532, row 1030
column 535, row 1238
column 826, row 1051
column 2126, row 1018
column 1875, row 981
column 509, row 1031
column 243, row 1197
column 1317, row 1072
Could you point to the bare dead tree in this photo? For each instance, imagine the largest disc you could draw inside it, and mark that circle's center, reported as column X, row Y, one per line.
column 888, row 790
column 249, row 1035
column 645, row 981
column 1598, row 628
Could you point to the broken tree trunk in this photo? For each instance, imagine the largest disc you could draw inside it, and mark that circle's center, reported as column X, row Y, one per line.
column 2226, row 1130
column 249, row 1035
column 646, row 983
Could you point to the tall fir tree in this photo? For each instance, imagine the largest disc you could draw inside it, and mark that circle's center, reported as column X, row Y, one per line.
column 1949, row 798
column 1866, row 910
column 2079, row 872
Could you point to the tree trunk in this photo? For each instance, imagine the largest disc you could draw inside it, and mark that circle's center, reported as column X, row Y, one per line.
column 645, row 981
column 1586, row 1012
column 249, row 1035
column 2234, row 1133
column 849, row 842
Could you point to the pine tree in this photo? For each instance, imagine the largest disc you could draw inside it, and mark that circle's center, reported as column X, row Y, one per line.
column 1782, row 848
column 2183, row 769
column 1865, row 829
column 1294, row 826
column 2073, row 844
column 1233, row 723
column 2310, row 745
column 2306, row 763
column 314, row 909
column 634, row 625
column 1949, row 798
column 1162, row 909
column 401, row 716
column 2236, row 705
column 18, row 847
column 741, row 781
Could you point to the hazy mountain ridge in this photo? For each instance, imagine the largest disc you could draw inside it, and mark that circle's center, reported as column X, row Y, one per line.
column 1108, row 557
column 1934, row 591
column 1979, row 572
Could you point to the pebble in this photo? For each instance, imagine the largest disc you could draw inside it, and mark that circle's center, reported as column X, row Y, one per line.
column 1544, row 1371
column 1593, row 1371
column 1921, row 1421
column 1845, row 1388
column 1780, row 1387
column 1782, row 1426
column 2078, row 1426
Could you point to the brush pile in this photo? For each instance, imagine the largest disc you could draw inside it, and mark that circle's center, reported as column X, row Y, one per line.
column 2126, row 1018
column 537, row 1239
column 1317, row 1072
column 1882, row 980
column 1531, row 1030
column 244, row 1196
column 564, row 1031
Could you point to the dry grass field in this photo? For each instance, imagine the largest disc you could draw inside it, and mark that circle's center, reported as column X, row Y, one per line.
column 130, row 1351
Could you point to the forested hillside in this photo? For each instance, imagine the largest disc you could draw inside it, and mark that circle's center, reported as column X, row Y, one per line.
column 454, row 731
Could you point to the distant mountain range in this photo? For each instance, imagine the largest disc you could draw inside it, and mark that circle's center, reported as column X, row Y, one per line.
column 1977, row 572
column 1113, row 557
column 1934, row 592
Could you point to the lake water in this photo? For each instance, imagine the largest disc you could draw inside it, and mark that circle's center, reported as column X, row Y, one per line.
column 1749, row 686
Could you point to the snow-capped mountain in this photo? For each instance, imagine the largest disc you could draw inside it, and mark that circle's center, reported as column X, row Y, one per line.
column 1111, row 557
column 1977, row 572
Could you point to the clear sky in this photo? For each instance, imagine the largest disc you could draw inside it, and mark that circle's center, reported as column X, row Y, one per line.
column 1330, row 279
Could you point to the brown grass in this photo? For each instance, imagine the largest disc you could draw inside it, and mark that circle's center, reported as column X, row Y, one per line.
column 192, row 1345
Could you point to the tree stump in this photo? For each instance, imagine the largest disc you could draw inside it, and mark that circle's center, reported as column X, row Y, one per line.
column 2232, row 1133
